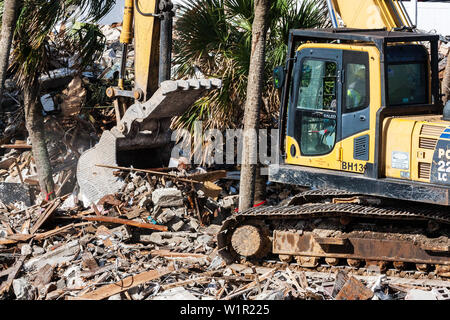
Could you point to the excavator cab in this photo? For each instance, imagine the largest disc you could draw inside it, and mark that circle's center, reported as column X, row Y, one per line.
column 354, row 105
column 362, row 124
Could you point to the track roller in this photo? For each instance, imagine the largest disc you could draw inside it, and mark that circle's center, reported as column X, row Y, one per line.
column 332, row 261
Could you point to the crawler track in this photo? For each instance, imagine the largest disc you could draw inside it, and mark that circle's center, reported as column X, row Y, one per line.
column 408, row 235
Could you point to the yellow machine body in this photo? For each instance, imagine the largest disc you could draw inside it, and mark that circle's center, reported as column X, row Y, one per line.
column 371, row 14
column 408, row 142
column 343, row 150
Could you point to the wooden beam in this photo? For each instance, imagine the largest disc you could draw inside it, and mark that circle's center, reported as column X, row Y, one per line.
column 124, row 285
column 15, row 146
column 127, row 222
column 58, row 230
column 12, row 274
column 45, row 215
column 157, row 173
column 169, row 254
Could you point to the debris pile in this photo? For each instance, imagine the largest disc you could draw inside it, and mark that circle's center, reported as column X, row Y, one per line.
column 156, row 240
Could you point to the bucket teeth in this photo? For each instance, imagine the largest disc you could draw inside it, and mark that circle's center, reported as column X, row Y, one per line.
column 172, row 99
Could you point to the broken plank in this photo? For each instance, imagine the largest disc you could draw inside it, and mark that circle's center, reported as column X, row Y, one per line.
column 58, row 230
column 209, row 176
column 5, row 164
column 7, row 241
column 125, row 284
column 127, row 222
column 31, row 182
column 170, row 254
column 45, row 215
column 15, row 146
column 9, row 230
column 251, row 285
column 97, row 212
column 20, row 237
column 12, row 274
column 168, row 175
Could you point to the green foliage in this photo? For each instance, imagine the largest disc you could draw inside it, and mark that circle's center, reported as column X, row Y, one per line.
column 214, row 37
column 36, row 29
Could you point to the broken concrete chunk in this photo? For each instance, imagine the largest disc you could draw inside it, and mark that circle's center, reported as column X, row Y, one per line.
column 205, row 240
column 274, row 295
column 230, row 202
column 140, row 190
column 47, row 103
column 14, row 192
column 167, row 197
column 3, row 233
column 130, row 187
column 144, row 202
column 416, row 294
column 354, row 290
column 176, row 224
column 26, row 250
column 23, row 290
column 123, row 232
column 73, row 97
column 178, row 293
column 165, row 216
column 73, row 277
column 62, row 254
column 44, row 276
column 115, row 297
column 193, row 225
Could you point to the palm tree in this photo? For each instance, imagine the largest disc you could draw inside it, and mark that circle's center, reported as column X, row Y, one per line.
column 31, row 51
column 253, row 104
column 446, row 82
column 9, row 16
column 214, row 37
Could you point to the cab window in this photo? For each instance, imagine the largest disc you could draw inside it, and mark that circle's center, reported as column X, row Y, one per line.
column 355, row 88
column 407, row 84
column 317, row 89
column 356, row 83
column 317, row 106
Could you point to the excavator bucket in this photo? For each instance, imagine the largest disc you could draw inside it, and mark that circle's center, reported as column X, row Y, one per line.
column 141, row 139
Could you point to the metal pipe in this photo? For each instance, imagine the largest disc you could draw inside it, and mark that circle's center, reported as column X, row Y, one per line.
column 332, row 14
column 165, row 48
column 126, row 37
column 414, row 5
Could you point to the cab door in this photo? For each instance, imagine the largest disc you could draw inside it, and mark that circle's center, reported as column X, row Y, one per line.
column 315, row 108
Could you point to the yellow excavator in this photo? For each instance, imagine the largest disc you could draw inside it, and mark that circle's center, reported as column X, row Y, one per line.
column 142, row 136
column 363, row 125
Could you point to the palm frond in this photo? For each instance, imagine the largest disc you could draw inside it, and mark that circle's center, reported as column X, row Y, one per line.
column 214, row 37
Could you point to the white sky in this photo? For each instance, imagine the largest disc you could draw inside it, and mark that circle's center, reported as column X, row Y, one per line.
column 430, row 15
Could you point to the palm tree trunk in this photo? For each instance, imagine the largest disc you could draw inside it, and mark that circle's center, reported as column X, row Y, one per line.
column 8, row 23
column 35, row 126
column 446, row 82
column 253, row 105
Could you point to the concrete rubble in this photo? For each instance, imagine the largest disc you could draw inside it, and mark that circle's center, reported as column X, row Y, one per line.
column 167, row 252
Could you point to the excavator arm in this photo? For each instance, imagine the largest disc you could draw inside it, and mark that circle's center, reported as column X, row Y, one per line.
column 369, row 14
column 142, row 136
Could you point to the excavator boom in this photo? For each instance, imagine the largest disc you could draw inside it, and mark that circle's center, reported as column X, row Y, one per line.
column 369, row 14
column 142, row 136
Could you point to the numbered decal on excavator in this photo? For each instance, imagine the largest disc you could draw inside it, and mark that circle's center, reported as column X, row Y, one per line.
column 354, row 167
column 440, row 170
